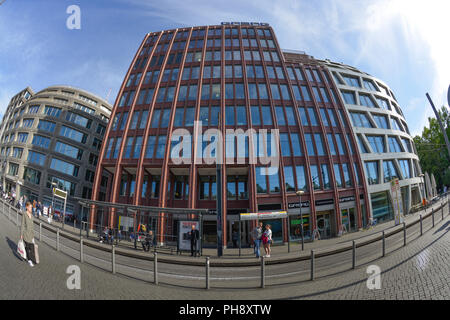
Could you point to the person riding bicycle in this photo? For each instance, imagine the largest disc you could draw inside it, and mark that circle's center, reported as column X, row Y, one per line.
column 148, row 241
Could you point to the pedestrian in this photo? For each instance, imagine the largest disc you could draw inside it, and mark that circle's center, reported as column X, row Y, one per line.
column 235, row 238
column 194, row 235
column 27, row 233
column 267, row 240
column 257, row 235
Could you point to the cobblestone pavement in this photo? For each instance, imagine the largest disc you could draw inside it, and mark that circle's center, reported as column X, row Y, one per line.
column 419, row 271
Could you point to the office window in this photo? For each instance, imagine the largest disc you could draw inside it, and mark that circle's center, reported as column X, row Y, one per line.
column 36, row 157
column 69, row 150
column 289, row 179
column 64, row 167
column 41, row 141
column 123, row 120
column 31, row 175
column 301, row 178
column 389, row 170
column 303, row 117
column 381, row 121
column 351, row 81
column 405, row 168
column 284, row 145
column 362, row 146
column 360, row 120
column 21, row 137
column 340, row 144
column 52, row 111
column 256, row 119
column 17, row 153
column 394, row 146
column 338, row 176
column 266, row 115
column 349, row 97
column 325, row 176
column 377, row 143
column 261, row 183
column 365, row 100
column 345, row 169
column 368, row 84
column 309, row 144
column 73, row 134
column 117, row 148
column 315, row 176
column 319, row 144
column 323, row 116
column 280, row 116
column 296, row 145
column 372, row 172
column 79, row 120
column 407, row 145
column 160, row 147
column 312, row 117
column 143, row 121
column 331, row 144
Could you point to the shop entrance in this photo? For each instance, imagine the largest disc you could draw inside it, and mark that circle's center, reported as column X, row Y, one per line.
column 349, row 219
column 325, row 222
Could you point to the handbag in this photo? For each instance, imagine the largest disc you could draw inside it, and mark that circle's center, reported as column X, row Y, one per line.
column 21, row 249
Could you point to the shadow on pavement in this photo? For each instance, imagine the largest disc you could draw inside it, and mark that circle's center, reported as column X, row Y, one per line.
column 445, row 225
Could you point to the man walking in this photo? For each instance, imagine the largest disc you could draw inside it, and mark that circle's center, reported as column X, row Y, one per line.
column 194, row 235
column 257, row 234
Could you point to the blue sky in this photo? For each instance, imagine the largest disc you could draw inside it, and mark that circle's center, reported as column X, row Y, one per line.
column 403, row 42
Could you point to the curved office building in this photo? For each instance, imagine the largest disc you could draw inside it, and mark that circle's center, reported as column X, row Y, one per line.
column 52, row 137
column 185, row 86
column 385, row 144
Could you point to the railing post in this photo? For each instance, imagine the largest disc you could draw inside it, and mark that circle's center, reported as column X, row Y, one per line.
column 354, row 255
column 17, row 218
column 57, row 240
column 263, row 272
column 113, row 258
column 9, row 213
column 81, row 251
column 384, row 244
column 40, row 231
column 404, row 233
column 442, row 211
column 207, row 273
column 155, row 268
column 421, row 225
column 312, row 265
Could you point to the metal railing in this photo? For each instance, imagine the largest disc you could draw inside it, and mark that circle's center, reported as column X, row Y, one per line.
column 352, row 246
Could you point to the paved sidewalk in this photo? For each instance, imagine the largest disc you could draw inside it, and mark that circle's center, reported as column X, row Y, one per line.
column 279, row 254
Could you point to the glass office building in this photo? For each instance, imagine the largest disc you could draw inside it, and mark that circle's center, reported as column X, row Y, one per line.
column 52, row 138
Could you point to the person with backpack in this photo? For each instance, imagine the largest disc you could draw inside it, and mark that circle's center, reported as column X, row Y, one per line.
column 267, row 240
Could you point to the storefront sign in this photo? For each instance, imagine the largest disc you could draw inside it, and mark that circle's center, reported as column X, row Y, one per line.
column 346, row 199
column 257, row 24
column 263, row 215
column 184, row 239
column 324, row 202
column 296, row 205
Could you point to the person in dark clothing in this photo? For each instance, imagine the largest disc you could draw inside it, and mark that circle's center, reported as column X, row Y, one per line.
column 195, row 236
column 148, row 242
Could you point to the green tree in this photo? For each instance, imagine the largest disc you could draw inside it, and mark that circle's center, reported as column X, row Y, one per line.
column 432, row 151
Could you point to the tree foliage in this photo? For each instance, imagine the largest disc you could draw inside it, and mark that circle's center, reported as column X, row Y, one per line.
column 432, row 151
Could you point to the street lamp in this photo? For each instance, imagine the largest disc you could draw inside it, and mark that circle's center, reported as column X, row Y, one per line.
column 300, row 193
column 423, row 186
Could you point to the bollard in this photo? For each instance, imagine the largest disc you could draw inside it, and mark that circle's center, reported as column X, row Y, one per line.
column 113, row 259
column 207, row 273
column 421, row 225
column 354, row 255
column 57, row 240
column 404, row 233
column 442, row 212
column 263, row 272
column 9, row 213
column 312, row 265
column 384, row 244
column 40, row 231
column 155, row 268
column 17, row 218
column 81, row 251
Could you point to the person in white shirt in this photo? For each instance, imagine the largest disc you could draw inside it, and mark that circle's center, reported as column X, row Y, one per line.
column 267, row 240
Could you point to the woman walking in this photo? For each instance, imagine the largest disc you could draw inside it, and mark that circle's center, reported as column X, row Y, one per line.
column 27, row 233
column 267, row 240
